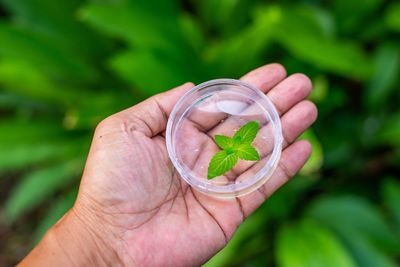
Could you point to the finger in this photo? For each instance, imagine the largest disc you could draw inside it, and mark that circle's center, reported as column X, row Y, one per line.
column 284, row 96
column 294, row 123
column 292, row 160
column 290, row 91
column 264, row 78
column 206, row 117
column 150, row 116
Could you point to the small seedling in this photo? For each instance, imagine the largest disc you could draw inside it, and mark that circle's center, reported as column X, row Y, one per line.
column 234, row 148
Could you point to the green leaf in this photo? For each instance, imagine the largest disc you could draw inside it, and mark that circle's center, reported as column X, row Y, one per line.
column 47, row 56
column 314, row 46
column 143, row 23
column 57, row 21
column 231, row 14
column 351, row 16
column 314, row 163
column 39, row 185
column 223, row 141
column 139, row 66
column 247, row 152
column 243, row 51
column 392, row 16
column 239, row 146
column 22, row 155
column 320, row 89
column 27, row 80
column 247, row 133
column 366, row 254
column 390, row 131
column 383, row 81
column 391, row 196
column 15, row 131
column 221, row 163
column 350, row 215
column 309, row 243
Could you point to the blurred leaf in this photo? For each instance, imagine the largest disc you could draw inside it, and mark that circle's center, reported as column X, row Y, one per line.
column 88, row 113
column 18, row 156
column 56, row 210
column 12, row 102
column 237, row 55
column 315, row 161
column 351, row 15
column 314, row 46
column 320, row 89
column 22, row 45
column 192, row 32
column 339, row 57
column 161, row 54
column 391, row 197
column 24, row 79
column 339, row 146
column 142, row 23
column 354, row 216
column 17, row 131
column 57, row 20
column 359, row 226
column 232, row 14
column 392, row 16
column 382, row 83
column 390, row 131
column 308, row 243
column 335, row 99
column 365, row 254
column 152, row 72
column 35, row 187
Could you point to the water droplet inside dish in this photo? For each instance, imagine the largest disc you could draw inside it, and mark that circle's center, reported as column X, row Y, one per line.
column 232, row 107
column 196, row 150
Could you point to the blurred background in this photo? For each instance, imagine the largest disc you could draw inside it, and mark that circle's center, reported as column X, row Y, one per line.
column 65, row 65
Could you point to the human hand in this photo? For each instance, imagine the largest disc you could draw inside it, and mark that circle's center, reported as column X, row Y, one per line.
column 134, row 209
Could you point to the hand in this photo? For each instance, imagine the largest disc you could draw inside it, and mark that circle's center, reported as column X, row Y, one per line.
column 134, row 209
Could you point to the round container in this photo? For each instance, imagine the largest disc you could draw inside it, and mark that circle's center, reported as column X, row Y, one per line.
column 221, row 107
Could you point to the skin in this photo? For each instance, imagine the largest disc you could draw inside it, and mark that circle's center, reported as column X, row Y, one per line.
column 133, row 208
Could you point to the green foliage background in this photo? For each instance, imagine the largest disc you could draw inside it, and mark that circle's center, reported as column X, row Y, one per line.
column 65, row 65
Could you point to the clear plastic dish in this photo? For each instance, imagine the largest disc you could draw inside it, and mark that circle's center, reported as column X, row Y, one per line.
column 222, row 106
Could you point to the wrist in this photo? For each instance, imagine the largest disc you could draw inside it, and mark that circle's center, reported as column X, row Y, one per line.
column 73, row 242
column 83, row 243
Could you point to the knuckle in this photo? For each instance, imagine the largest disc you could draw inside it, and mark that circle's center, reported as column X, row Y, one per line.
column 279, row 67
column 107, row 123
column 287, row 173
column 312, row 108
column 302, row 79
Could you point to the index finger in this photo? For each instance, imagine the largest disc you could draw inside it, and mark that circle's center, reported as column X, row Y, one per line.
column 264, row 78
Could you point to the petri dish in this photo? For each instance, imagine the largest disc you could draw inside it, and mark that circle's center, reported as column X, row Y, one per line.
column 222, row 107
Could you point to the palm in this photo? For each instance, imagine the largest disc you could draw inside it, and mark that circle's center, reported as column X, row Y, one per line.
column 151, row 206
column 141, row 199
